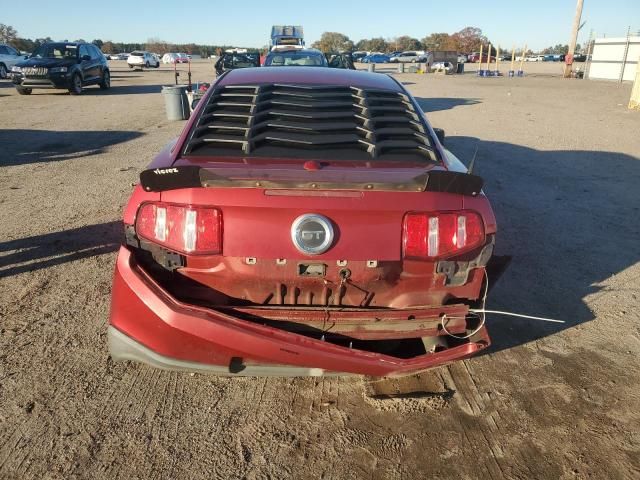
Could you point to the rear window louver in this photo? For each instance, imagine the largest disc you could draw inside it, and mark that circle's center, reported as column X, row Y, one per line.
column 322, row 122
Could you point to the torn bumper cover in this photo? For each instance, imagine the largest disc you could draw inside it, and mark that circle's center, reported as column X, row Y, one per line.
column 148, row 325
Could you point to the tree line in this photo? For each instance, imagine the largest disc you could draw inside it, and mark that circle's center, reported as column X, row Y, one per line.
column 10, row 36
column 467, row 40
column 560, row 49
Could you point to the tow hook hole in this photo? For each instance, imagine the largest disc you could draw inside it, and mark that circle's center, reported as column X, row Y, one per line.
column 345, row 274
column 411, row 317
column 312, row 269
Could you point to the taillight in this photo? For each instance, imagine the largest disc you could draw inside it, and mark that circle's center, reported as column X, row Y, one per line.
column 437, row 235
column 185, row 229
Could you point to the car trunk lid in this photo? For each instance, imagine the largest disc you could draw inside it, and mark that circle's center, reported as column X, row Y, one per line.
column 261, row 200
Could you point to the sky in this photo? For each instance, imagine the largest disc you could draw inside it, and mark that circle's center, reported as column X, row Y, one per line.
column 538, row 23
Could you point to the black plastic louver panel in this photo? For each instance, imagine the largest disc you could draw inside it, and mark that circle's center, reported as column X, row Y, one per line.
column 322, row 122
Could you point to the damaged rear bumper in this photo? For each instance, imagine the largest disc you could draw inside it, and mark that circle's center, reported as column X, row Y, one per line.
column 148, row 325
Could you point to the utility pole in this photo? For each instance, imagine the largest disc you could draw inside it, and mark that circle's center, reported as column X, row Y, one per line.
column 574, row 38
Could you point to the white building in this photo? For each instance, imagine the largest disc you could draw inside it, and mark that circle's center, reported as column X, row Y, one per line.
column 615, row 59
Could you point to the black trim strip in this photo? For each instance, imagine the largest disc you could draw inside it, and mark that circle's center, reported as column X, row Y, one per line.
column 454, row 182
column 173, row 178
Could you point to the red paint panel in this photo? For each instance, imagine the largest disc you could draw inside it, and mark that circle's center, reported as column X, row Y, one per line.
column 368, row 227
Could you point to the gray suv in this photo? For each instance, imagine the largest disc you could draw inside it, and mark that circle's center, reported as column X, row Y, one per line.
column 9, row 56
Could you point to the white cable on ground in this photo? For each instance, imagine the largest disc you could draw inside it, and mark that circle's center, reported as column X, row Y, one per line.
column 498, row 312
column 478, row 311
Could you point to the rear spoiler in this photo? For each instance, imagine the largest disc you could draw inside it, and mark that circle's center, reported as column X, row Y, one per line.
column 172, row 178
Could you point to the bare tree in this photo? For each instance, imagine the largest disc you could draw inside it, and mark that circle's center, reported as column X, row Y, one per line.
column 378, row 44
column 109, row 47
column 439, row 41
column 333, row 42
column 469, row 39
column 157, row 45
column 8, row 34
column 407, row 43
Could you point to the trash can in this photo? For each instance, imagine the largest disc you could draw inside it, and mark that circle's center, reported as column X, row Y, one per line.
column 460, row 68
column 176, row 102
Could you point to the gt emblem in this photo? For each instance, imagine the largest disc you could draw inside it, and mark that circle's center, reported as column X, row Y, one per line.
column 312, row 234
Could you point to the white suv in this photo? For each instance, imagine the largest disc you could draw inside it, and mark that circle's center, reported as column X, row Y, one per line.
column 143, row 59
column 9, row 56
column 408, row 57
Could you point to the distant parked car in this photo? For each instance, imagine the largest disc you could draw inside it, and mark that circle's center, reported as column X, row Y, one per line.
column 232, row 60
column 69, row 66
column 376, row 58
column 407, row 57
column 358, row 56
column 462, row 58
column 9, row 56
column 340, row 60
column 169, row 58
column 175, row 58
column 139, row 59
column 118, row 56
column 297, row 57
column 579, row 57
column 475, row 57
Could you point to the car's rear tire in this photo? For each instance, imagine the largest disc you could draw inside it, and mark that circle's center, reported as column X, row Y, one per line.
column 3, row 70
column 158, row 65
column 146, row 65
column 130, row 66
column 76, row 84
column 23, row 91
column 105, row 84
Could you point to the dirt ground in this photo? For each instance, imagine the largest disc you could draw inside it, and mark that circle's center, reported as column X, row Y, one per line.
column 561, row 164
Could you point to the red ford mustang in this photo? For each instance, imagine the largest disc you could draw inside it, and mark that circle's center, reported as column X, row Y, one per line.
column 306, row 222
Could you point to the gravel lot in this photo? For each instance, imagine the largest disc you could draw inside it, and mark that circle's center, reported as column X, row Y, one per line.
column 561, row 165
